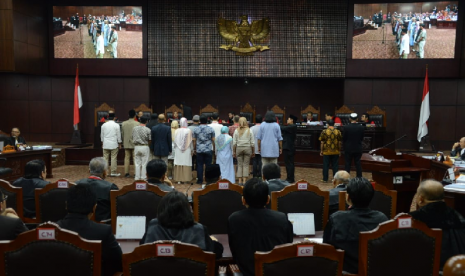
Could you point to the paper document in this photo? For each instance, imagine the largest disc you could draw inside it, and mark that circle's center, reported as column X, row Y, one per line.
column 318, row 240
column 455, row 187
column 303, row 223
column 460, row 179
column 130, row 227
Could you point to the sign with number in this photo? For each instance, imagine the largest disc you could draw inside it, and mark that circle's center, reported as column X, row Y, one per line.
column 405, row 222
column 302, row 186
column 63, row 184
column 141, row 186
column 223, row 185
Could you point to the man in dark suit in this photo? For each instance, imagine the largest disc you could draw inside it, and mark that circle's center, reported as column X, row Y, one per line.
column 80, row 203
column 12, row 226
column 186, row 111
column 98, row 168
column 340, row 181
column 459, row 148
column 156, row 172
column 256, row 228
column 153, row 121
column 352, row 138
column 161, row 140
column 15, row 139
column 289, row 134
column 272, row 176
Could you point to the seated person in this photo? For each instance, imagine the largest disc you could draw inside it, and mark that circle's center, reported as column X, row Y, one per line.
column 175, row 221
column 15, row 139
column 12, row 226
column 80, row 203
column 156, row 175
column 435, row 213
column 309, row 117
column 174, row 118
column 272, row 176
column 256, row 228
column 340, row 181
column 98, row 168
column 365, row 119
column 34, row 175
column 343, row 227
column 459, row 149
column 329, row 116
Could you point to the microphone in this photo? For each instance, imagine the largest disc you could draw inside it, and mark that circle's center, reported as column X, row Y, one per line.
column 192, row 184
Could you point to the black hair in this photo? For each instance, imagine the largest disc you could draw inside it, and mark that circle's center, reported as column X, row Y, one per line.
column 99, row 31
column 255, row 193
column 154, row 116
column 366, row 115
column 80, row 199
column 203, row 119
column 132, row 113
column 360, row 192
column 270, row 117
column 111, row 116
column 330, row 122
column 232, row 113
column 215, row 116
column 174, row 211
column 113, row 27
column 34, row 169
column 258, row 119
column 143, row 120
column 156, row 168
column 329, row 114
column 271, row 171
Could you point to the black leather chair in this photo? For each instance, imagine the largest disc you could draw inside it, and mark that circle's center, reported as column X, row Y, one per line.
column 304, row 117
column 169, row 111
column 248, row 112
column 279, row 113
column 101, row 112
column 208, row 111
column 378, row 119
column 345, row 118
column 248, row 115
column 4, row 171
column 15, row 197
column 51, row 202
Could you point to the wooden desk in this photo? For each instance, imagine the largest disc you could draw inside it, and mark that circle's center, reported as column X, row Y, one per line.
column 444, row 24
column 17, row 161
column 134, row 27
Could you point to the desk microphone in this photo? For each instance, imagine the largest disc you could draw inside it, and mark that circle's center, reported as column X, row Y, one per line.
column 188, row 189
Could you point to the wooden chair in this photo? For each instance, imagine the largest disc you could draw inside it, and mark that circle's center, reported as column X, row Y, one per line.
column 310, row 108
column 102, row 111
column 145, row 110
column 410, row 246
column 455, row 266
column 137, row 199
column 168, row 258
column 15, row 197
column 170, row 110
column 248, row 112
column 208, row 110
column 300, row 258
column 384, row 200
column 343, row 113
column 279, row 113
column 51, row 201
column 50, row 250
column 215, row 203
column 303, row 197
column 378, row 116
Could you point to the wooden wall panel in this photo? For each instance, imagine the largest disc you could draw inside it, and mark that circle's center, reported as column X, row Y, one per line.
column 7, row 59
column 387, row 92
column 40, row 88
column 40, row 116
column 62, row 89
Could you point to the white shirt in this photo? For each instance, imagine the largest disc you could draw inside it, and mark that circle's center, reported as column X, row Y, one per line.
column 405, row 45
column 255, row 131
column 110, row 135
column 217, row 128
column 100, row 45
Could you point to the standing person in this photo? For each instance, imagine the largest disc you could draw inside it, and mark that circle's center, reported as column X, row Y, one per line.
column 231, row 117
column 404, row 45
column 174, row 127
column 128, row 144
column 421, row 41
column 224, row 157
column 215, row 125
column 100, row 49
column 113, row 38
column 243, row 143
column 353, row 137
column 195, row 124
column 330, row 144
column 257, row 159
column 141, row 137
column 234, row 126
column 289, row 133
column 161, row 140
column 204, row 139
column 186, row 111
column 110, row 136
column 270, row 141
column 183, row 153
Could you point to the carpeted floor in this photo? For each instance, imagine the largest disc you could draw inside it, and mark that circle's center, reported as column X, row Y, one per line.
column 440, row 43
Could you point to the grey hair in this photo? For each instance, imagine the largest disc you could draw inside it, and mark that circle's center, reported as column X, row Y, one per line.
column 98, row 165
column 338, row 177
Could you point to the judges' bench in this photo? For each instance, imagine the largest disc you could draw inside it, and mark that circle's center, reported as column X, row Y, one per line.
column 17, row 161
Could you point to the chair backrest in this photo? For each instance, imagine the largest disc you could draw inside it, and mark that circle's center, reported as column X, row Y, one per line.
column 51, row 201
column 170, row 110
column 168, row 258
column 101, row 111
column 300, row 258
column 378, row 116
column 279, row 113
column 50, row 250
column 215, row 203
column 208, row 110
column 310, row 108
column 303, row 197
column 147, row 111
column 248, row 112
column 343, row 113
column 15, row 197
column 455, row 266
column 137, row 199
column 401, row 247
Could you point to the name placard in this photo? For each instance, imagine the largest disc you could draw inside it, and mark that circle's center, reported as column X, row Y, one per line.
column 165, row 250
column 223, row 185
column 141, row 186
column 405, row 223
column 302, row 186
column 304, row 250
column 46, row 233
column 397, row 179
column 63, row 184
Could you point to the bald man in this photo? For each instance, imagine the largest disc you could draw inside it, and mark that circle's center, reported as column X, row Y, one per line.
column 340, row 181
column 459, row 148
column 161, row 140
column 15, row 138
column 436, row 214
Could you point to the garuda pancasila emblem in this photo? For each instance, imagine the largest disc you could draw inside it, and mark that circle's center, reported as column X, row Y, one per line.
column 243, row 38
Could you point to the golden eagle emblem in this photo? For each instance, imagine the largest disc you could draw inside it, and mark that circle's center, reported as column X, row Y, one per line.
column 244, row 37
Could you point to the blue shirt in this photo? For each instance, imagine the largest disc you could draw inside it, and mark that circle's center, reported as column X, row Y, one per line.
column 269, row 136
column 204, row 134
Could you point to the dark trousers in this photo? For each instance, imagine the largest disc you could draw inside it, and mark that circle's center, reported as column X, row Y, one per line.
column 330, row 160
column 204, row 158
column 348, row 157
column 257, row 165
column 289, row 161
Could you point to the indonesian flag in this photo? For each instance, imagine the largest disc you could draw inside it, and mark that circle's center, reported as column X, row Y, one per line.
column 77, row 99
column 424, row 112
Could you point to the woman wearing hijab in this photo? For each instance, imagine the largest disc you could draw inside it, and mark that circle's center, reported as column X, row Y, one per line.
column 183, row 152
column 174, row 127
column 243, row 149
column 223, row 147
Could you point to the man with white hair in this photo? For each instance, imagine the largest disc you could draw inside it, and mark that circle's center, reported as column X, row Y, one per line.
column 98, row 168
column 352, row 139
column 340, row 181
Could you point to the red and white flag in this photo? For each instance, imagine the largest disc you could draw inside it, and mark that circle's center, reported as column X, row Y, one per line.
column 77, row 100
column 424, row 112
